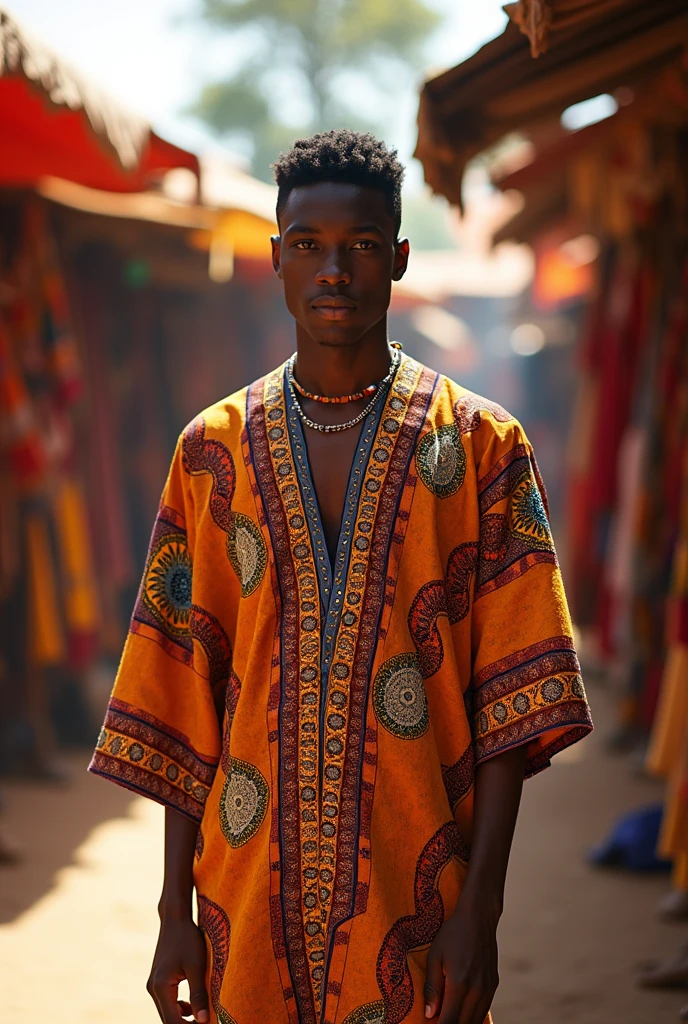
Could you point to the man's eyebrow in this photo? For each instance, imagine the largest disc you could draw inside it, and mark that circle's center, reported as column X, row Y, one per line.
column 302, row 229
column 356, row 229
column 367, row 229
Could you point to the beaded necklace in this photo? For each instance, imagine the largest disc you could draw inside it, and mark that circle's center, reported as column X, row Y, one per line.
column 338, row 399
column 333, row 428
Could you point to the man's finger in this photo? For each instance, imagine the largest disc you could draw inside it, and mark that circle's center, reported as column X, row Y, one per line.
column 165, row 996
column 198, row 996
column 153, row 985
column 185, row 1008
column 469, row 1008
column 434, row 986
column 482, row 1010
column 157, row 1004
column 454, row 996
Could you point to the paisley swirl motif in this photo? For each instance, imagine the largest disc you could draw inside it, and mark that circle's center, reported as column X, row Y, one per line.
column 461, row 566
column 450, row 597
column 417, row 929
column 429, row 603
column 468, row 410
column 246, row 548
column 458, row 778
column 231, row 699
column 213, row 921
column 204, row 455
column 209, row 633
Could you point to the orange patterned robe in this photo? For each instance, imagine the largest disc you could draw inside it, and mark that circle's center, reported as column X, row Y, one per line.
column 322, row 723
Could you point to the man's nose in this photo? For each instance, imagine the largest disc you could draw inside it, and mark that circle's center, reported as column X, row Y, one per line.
column 334, row 271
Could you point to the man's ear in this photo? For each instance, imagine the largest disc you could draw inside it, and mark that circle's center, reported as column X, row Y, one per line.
column 401, row 258
column 276, row 242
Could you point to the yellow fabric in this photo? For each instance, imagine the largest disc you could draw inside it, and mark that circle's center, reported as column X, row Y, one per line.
column 81, row 603
column 679, row 875
column 46, row 636
column 673, row 838
column 670, row 729
column 668, row 753
column 323, row 724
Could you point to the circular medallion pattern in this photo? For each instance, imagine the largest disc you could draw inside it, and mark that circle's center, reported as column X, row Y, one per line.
column 247, row 552
column 441, row 460
column 500, row 712
column 552, row 690
column 243, row 803
column 399, row 697
column 527, row 515
column 577, row 687
column 166, row 588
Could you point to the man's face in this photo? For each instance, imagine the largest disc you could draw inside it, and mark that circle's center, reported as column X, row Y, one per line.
column 337, row 255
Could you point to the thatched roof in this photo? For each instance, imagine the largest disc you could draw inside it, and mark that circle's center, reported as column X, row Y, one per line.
column 587, row 47
column 53, row 121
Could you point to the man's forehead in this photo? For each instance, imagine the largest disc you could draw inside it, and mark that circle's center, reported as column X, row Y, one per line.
column 336, row 204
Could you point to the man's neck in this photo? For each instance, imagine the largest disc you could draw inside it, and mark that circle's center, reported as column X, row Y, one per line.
column 342, row 369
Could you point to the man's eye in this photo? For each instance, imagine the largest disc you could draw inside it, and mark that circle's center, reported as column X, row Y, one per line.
column 304, row 243
column 364, row 244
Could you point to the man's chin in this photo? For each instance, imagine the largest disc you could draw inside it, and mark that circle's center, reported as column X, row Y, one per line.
column 335, row 336
column 338, row 342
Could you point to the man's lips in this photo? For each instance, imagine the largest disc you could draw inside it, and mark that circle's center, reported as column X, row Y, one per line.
column 333, row 307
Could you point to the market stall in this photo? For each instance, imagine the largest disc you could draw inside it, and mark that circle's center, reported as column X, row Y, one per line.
column 125, row 300
column 616, row 190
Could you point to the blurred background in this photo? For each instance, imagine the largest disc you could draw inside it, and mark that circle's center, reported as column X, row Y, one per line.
column 547, row 207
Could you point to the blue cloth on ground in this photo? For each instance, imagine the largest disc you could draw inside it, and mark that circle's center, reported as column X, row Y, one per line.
column 632, row 843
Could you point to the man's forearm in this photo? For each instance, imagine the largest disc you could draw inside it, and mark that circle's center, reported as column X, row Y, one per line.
column 180, row 843
column 498, row 785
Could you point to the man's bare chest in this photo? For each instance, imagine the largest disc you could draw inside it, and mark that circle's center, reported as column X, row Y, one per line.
column 330, row 457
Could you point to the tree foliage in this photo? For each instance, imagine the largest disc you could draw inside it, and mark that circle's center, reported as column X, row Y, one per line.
column 298, row 56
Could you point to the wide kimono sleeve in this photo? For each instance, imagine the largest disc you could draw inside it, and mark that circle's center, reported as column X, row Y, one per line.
column 526, row 685
column 161, row 736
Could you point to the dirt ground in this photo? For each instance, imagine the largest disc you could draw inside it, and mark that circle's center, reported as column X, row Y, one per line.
column 78, row 919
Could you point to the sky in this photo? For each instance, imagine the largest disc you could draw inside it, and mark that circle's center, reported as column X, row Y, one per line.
column 154, row 56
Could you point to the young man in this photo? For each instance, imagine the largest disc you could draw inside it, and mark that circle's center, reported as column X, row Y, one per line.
column 350, row 647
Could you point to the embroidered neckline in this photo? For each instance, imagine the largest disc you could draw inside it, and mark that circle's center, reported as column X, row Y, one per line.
column 322, row 706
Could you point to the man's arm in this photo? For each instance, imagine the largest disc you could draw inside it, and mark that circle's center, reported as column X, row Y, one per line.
column 181, row 952
column 462, row 961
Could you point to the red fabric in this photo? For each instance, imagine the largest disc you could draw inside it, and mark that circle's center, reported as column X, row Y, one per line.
column 650, row 693
column 40, row 139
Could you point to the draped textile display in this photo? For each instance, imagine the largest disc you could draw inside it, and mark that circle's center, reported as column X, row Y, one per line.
column 322, row 723
column 624, row 492
column 40, row 384
column 668, row 753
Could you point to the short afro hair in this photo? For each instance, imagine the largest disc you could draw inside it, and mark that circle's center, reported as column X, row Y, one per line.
column 356, row 158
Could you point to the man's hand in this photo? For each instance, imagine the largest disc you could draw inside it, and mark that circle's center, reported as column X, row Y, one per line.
column 180, row 954
column 462, row 977
column 462, row 961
